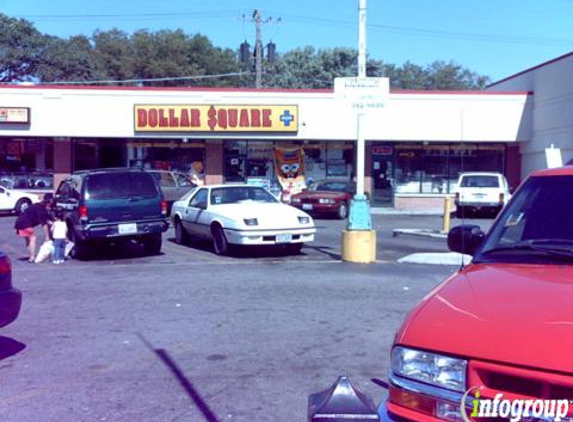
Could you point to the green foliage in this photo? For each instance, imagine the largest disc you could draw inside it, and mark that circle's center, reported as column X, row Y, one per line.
column 21, row 49
column 67, row 60
column 171, row 57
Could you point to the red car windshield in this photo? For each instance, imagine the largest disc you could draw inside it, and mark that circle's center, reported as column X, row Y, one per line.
column 537, row 223
column 332, row 187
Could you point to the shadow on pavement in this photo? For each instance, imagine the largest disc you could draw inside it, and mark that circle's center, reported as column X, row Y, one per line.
column 115, row 252
column 182, row 379
column 10, row 347
column 242, row 251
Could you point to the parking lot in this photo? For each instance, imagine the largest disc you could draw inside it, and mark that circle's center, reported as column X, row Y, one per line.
column 191, row 336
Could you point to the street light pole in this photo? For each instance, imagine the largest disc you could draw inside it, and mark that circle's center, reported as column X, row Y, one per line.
column 359, row 216
column 359, row 240
column 360, row 141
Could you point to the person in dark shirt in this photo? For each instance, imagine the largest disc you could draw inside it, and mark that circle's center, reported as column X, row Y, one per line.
column 35, row 215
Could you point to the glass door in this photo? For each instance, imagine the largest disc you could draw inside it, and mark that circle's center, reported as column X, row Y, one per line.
column 382, row 175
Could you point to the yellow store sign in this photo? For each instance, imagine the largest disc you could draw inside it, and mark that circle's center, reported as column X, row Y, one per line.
column 215, row 118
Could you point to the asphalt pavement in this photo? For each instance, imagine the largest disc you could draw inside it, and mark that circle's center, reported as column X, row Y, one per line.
column 190, row 336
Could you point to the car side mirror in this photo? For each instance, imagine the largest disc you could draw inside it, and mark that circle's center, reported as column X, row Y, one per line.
column 465, row 239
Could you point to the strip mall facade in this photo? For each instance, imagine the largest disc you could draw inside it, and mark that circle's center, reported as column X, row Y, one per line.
column 417, row 144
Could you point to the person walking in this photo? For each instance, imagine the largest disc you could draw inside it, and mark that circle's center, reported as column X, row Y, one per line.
column 59, row 236
column 35, row 215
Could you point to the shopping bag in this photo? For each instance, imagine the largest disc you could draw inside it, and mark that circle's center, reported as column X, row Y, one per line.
column 69, row 246
column 46, row 250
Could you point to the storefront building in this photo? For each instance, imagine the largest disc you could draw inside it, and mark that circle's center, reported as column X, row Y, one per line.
column 417, row 144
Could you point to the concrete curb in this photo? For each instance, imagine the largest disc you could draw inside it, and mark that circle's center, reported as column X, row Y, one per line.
column 435, row 234
column 433, row 258
column 393, row 211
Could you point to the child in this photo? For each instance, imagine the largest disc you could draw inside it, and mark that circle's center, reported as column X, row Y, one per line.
column 59, row 236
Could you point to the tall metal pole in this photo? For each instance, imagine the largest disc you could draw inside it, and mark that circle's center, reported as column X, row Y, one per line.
column 360, row 141
column 258, row 50
column 362, row 38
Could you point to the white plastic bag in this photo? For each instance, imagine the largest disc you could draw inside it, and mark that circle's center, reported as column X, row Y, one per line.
column 69, row 246
column 46, row 250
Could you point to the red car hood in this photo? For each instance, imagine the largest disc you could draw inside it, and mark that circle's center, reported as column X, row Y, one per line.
column 512, row 313
column 321, row 194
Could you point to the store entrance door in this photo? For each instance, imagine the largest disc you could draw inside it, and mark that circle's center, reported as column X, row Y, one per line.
column 382, row 175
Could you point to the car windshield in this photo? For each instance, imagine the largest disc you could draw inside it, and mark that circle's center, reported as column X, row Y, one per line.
column 331, row 186
column 240, row 194
column 120, row 185
column 480, row 182
column 537, row 224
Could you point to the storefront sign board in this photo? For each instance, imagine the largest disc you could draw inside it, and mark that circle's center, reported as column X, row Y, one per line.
column 216, row 118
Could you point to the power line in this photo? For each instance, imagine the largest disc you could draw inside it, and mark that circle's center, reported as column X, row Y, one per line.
column 140, row 80
column 314, row 21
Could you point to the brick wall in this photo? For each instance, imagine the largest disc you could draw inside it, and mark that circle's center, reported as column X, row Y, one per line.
column 62, row 160
column 213, row 162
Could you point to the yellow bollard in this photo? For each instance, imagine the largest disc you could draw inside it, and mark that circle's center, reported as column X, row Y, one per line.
column 359, row 246
column 447, row 211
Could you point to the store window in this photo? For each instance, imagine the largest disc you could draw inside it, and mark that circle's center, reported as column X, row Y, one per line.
column 434, row 168
column 26, row 163
column 89, row 153
column 182, row 155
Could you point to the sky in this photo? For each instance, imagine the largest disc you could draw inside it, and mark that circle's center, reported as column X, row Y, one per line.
column 495, row 38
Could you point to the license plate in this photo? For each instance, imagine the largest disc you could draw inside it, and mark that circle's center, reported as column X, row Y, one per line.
column 284, row 238
column 127, row 228
column 479, row 195
column 307, row 207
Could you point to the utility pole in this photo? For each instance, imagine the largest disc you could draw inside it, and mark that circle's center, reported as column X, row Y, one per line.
column 360, row 142
column 258, row 49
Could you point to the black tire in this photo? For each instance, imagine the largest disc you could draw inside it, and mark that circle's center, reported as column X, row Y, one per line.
column 294, row 248
column 21, row 205
column 80, row 249
column 181, row 235
column 152, row 244
column 460, row 212
column 220, row 243
column 342, row 213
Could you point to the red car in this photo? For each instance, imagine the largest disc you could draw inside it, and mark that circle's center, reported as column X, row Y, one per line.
column 498, row 334
column 10, row 298
column 326, row 197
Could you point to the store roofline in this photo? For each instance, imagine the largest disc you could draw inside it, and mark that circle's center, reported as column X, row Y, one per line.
column 531, row 69
column 251, row 90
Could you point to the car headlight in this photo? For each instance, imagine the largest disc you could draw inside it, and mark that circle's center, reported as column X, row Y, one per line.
column 431, row 368
column 295, row 200
column 327, row 201
column 251, row 221
column 304, row 220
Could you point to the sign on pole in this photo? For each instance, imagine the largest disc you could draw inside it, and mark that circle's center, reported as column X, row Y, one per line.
column 363, row 93
column 553, row 156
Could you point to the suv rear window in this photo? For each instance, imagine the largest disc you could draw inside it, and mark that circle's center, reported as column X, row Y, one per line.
column 120, row 185
column 480, row 182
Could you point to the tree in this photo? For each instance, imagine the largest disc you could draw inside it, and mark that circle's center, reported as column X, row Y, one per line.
column 308, row 68
column 114, row 54
column 70, row 60
column 21, row 49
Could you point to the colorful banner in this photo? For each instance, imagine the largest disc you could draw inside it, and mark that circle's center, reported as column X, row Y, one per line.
column 216, row 118
column 289, row 166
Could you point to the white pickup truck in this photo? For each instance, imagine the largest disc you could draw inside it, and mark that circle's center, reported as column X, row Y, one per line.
column 477, row 192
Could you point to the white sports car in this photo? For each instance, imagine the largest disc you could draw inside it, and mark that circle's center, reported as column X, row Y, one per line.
column 240, row 215
column 16, row 201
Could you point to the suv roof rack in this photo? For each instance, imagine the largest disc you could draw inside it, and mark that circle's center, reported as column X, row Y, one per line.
column 108, row 169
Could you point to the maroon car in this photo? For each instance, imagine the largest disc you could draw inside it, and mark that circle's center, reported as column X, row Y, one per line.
column 326, row 197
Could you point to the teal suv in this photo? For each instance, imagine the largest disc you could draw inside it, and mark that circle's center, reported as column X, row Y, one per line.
column 112, row 206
